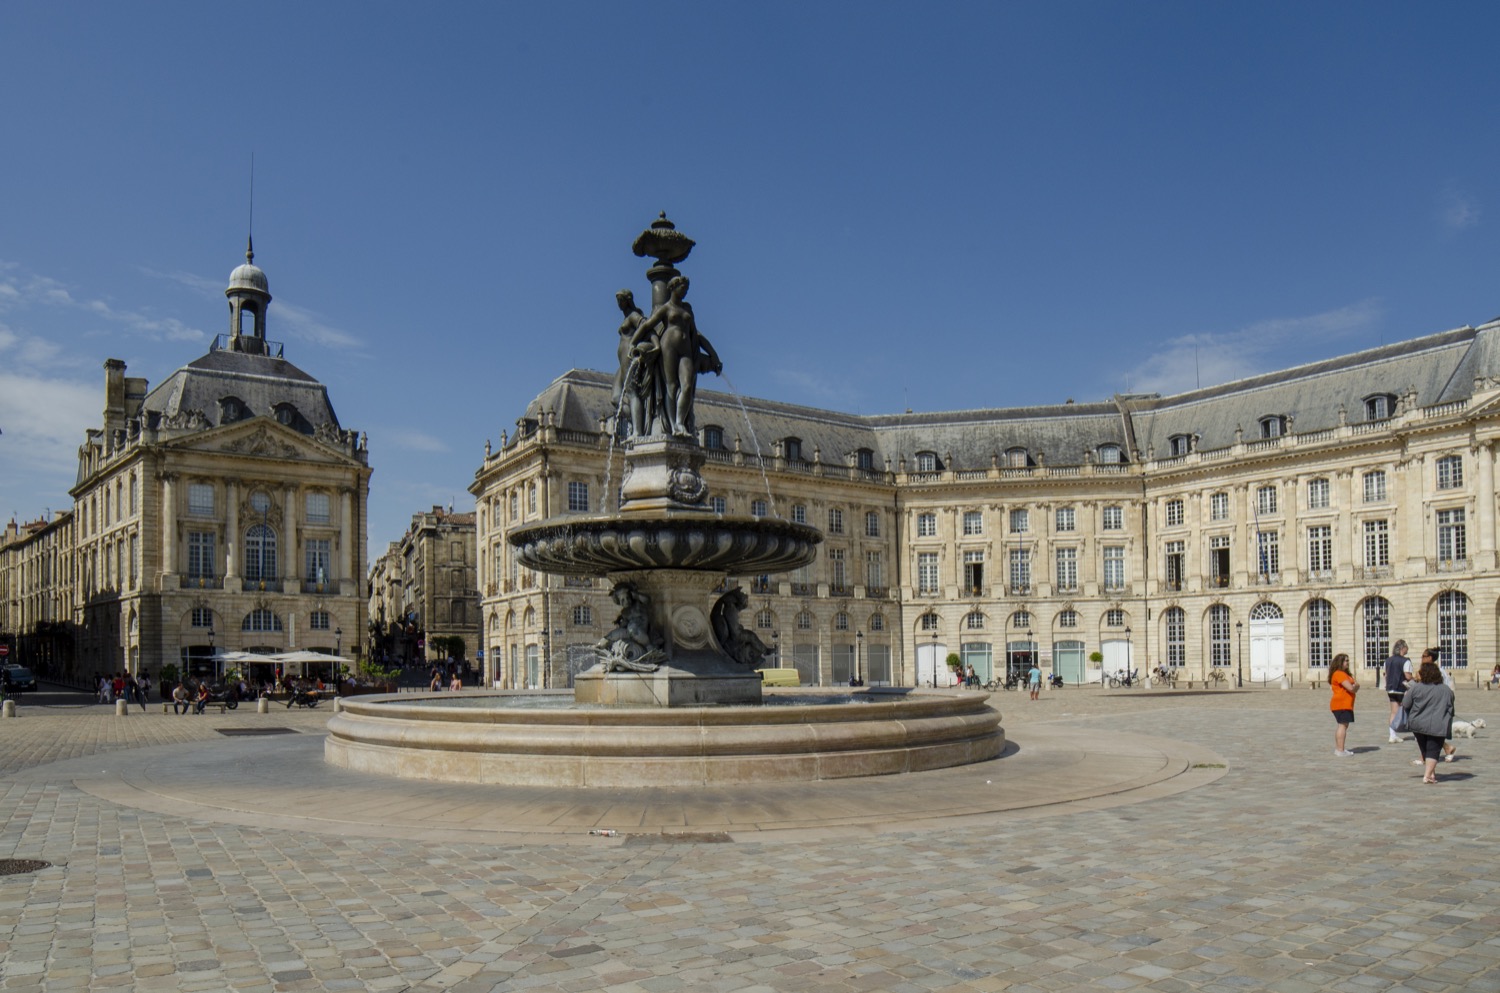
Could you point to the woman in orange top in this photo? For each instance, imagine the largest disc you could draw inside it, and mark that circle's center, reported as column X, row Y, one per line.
column 1342, row 704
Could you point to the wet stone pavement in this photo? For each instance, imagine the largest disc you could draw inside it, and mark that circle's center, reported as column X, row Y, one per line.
column 1287, row 870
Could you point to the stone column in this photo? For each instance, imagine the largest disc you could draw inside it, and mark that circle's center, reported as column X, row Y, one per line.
column 1413, row 476
column 1291, row 549
column 168, row 532
column 232, row 537
column 346, row 539
column 289, row 528
column 1484, row 469
column 1348, row 539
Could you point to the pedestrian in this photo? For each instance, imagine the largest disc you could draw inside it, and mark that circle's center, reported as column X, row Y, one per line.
column 1429, row 714
column 456, row 683
column 971, row 678
column 1034, row 680
column 1397, row 678
column 145, row 682
column 180, row 703
column 1344, row 687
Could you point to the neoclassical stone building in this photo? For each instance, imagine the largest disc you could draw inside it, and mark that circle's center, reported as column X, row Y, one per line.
column 1253, row 529
column 224, row 509
column 423, row 592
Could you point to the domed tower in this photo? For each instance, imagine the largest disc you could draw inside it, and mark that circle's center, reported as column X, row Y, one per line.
column 249, row 293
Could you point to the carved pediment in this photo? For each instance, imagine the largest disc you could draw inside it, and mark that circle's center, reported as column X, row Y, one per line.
column 262, row 442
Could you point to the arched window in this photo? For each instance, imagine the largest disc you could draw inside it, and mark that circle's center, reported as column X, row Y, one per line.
column 287, row 414
column 1111, row 454
column 232, row 409
column 1319, row 633
column 804, row 621
column 582, row 615
column 927, row 462
column 1175, row 621
column 1067, row 619
column 1272, row 426
column 877, row 622
column 1218, row 635
column 974, row 621
column 1379, row 406
column 260, row 619
column 1020, row 619
column 841, row 621
column 260, row 553
column 1017, row 458
column 764, row 620
column 929, row 622
column 1376, row 613
column 1453, row 629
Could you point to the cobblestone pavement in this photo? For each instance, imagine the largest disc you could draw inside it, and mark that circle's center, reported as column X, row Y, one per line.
column 1292, row 871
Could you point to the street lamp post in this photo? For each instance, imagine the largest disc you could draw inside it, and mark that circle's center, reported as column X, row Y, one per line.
column 1239, row 661
column 859, row 644
column 1129, row 655
column 934, row 658
column 212, row 652
column 338, row 649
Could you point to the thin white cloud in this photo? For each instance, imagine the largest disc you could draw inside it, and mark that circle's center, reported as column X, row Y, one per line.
column 817, row 391
column 22, row 289
column 416, row 441
column 1212, row 357
column 1458, row 210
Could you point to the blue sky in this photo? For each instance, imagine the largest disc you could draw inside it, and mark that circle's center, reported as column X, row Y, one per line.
column 966, row 205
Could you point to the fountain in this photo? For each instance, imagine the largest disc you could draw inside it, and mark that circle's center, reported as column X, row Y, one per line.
column 674, row 698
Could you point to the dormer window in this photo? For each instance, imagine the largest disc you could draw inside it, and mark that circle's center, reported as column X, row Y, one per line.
column 927, row 462
column 1111, row 454
column 793, row 449
column 1179, row 444
column 864, row 460
column 1272, row 426
column 232, row 409
column 286, row 414
column 1016, row 458
column 1380, row 407
column 713, row 437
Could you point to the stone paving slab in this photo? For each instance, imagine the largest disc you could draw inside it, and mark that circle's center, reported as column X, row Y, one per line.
column 1291, row 871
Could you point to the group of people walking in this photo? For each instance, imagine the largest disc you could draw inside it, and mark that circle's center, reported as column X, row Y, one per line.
column 1421, row 702
column 125, row 686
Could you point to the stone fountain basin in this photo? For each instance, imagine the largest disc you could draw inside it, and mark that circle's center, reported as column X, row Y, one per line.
column 597, row 545
column 874, row 733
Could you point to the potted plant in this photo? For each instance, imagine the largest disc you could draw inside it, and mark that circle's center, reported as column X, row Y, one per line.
column 168, row 681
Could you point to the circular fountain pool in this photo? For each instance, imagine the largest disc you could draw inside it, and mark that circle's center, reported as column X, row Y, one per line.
column 544, row 738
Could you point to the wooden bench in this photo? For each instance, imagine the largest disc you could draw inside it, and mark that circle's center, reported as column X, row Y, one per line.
column 166, row 706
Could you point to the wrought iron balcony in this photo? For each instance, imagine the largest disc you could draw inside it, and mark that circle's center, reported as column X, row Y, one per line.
column 201, row 582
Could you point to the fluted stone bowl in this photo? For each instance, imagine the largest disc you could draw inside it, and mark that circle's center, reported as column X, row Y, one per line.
column 596, row 546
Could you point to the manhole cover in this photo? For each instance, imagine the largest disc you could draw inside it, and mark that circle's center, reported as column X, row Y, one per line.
column 240, row 732
column 14, row 867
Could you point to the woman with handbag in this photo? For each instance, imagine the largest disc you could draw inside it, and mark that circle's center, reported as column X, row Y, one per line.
column 1429, row 714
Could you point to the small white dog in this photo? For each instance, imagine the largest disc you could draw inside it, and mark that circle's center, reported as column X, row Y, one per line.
column 1465, row 729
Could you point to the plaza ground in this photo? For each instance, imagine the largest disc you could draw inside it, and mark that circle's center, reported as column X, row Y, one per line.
column 1128, row 839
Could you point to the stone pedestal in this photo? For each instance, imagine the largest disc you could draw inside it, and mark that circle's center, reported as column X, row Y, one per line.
column 663, row 474
column 666, row 687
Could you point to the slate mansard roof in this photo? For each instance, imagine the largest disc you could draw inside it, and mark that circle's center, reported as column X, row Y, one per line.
column 260, row 383
column 1434, row 369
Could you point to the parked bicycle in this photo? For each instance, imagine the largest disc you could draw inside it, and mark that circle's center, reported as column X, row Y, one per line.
column 1164, row 674
column 1123, row 678
column 1218, row 677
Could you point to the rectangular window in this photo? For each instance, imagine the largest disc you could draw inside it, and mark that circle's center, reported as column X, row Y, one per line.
column 201, row 554
column 838, row 576
column 1375, row 486
column 799, row 513
column 1114, row 519
column 1377, row 544
column 1176, row 638
column 1066, row 519
column 1067, row 570
column 1218, row 507
column 319, row 620
column 1320, row 550
column 926, row 525
column 1452, row 542
column 874, row 571
column 973, row 522
column 1218, row 561
column 318, row 511
column 1317, row 494
column 201, row 499
column 927, row 573
column 757, row 508
column 202, row 617
column 1265, row 500
column 1450, row 472
column 578, row 497
column 1174, row 513
column 1020, row 571
column 1176, row 552
column 1114, row 568
column 1268, row 552
column 974, row 573
column 319, row 560
column 1377, row 631
column 872, row 524
column 1020, row 521
column 719, row 505
column 1114, row 617
column 835, row 521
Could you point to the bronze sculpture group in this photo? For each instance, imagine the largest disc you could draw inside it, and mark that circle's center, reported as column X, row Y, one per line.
column 660, row 357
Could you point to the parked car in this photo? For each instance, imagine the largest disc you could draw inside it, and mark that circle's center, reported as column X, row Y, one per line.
column 780, row 677
column 19, row 679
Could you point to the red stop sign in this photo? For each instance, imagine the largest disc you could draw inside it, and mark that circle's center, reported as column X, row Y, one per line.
column 4, row 651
